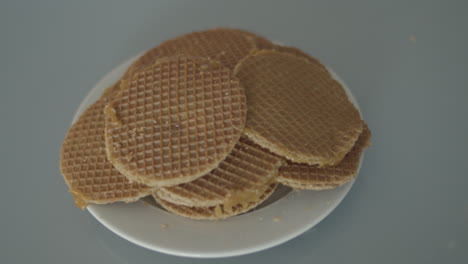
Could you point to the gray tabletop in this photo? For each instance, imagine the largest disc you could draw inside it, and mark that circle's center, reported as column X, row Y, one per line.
column 405, row 61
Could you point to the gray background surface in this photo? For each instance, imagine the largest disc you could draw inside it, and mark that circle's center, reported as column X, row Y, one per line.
column 405, row 61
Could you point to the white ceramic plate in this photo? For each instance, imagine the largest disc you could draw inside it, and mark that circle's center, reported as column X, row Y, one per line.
column 284, row 216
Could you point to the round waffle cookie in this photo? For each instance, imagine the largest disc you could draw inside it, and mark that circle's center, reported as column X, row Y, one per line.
column 302, row 176
column 216, row 212
column 227, row 46
column 84, row 165
column 296, row 109
column 245, row 171
column 175, row 121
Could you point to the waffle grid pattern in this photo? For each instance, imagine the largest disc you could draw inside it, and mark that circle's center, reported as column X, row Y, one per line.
column 209, row 213
column 179, row 119
column 176, row 126
column 247, row 167
column 311, row 177
column 227, row 46
column 296, row 109
column 84, row 165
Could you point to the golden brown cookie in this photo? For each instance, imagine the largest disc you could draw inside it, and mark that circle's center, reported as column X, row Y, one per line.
column 225, row 45
column 296, row 109
column 302, row 176
column 245, row 171
column 84, row 165
column 215, row 212
column 175, row 121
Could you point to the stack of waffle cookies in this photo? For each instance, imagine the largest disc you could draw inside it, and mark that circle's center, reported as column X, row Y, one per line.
column 209, row 123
